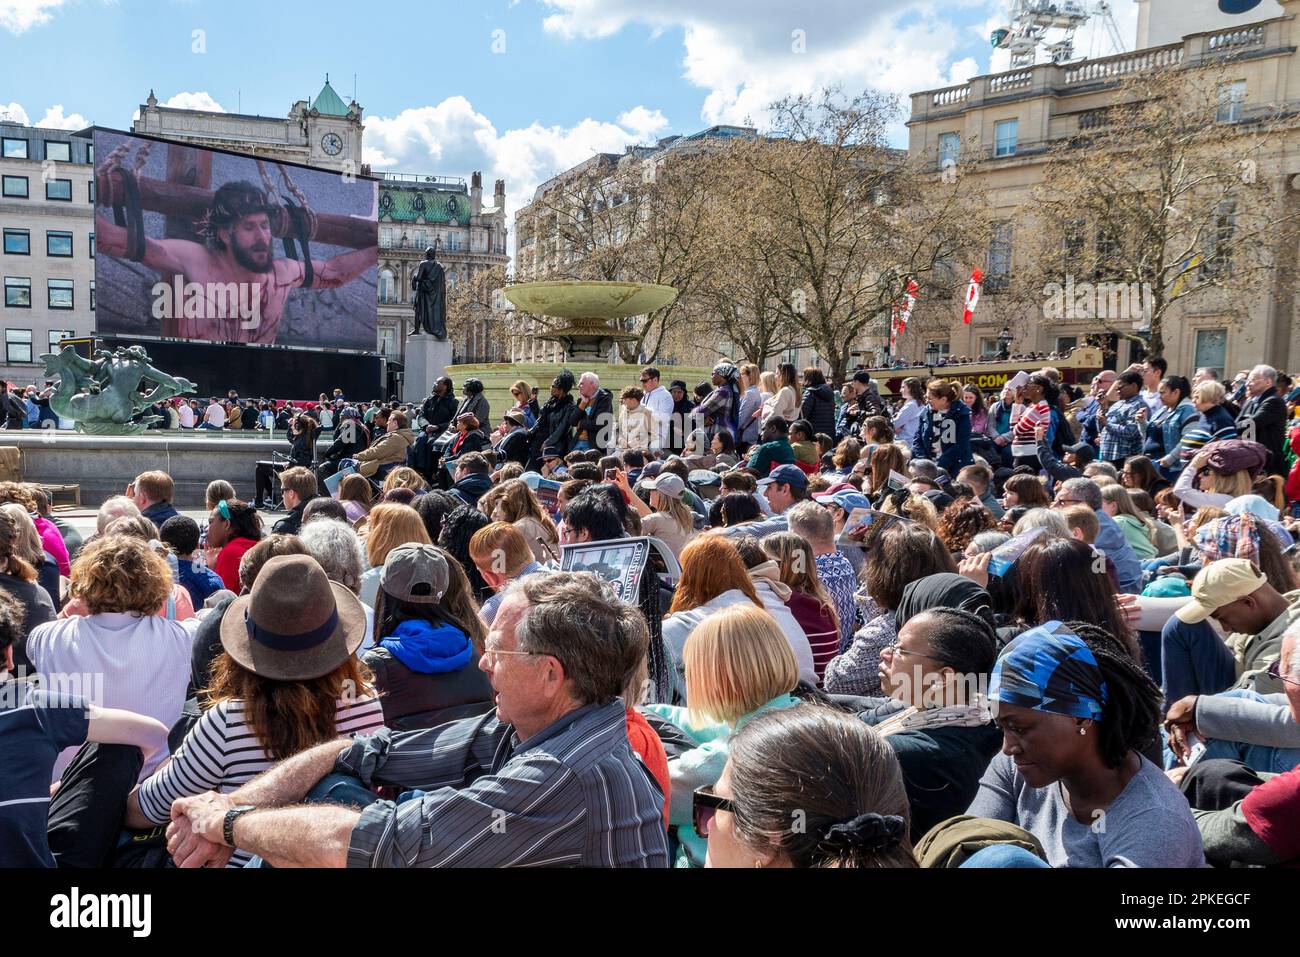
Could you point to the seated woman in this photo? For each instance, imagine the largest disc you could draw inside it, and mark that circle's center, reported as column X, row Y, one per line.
column 803, row 440
column 1075, row 712
column 233, row 528
column 388, row 525
column 940, row 659
column 425, row 661
column 302, row 450
column 825, row 770
column 277, row 689
column 468, row 438
column 738, row 666
column 897, row 553
column 18, row 581
column 809, row 601
column 356, row 495
column 514, row 502
column 1139, row 531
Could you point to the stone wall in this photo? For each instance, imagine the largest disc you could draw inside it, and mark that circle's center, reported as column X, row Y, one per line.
column 104, row 465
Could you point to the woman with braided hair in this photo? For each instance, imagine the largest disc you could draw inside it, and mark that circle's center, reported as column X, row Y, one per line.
column 806, row 787
column 1076, row 711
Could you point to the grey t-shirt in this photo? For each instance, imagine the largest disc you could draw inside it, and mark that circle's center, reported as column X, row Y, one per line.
column 1148, row 825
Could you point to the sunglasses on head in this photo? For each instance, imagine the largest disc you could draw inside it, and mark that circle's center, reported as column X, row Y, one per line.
column 705, row 807
column 1274, row 672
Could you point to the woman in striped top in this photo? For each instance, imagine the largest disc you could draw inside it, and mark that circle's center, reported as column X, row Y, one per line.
column 809, row 601
column 1039, row 395
column 267, row 705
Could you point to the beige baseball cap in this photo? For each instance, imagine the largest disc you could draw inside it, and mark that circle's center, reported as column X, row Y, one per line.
column 1220, row 583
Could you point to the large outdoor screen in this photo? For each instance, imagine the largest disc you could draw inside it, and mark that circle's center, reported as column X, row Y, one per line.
column 203, row 244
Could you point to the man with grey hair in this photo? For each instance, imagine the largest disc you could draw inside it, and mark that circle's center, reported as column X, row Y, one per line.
column 118, row 506
column 596, row 411
column 926, row 469
column 1110, row 540
column 549, row 778
column 815, row 525
column 1263, row 416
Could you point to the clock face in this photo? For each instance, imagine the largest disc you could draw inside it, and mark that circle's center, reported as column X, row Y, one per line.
column 331, row 143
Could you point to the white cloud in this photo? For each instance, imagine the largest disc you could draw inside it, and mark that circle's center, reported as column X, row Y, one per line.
column 14, row 113
column 19, row 16
column 451, row 138
column 54, row 119
column 194, row 101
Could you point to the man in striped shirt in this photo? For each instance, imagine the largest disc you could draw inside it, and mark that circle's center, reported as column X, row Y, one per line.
column 548, row 779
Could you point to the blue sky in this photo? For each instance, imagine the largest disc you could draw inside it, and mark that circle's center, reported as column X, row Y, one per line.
column 520, row 89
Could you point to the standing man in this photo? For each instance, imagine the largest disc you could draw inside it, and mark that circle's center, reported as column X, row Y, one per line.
column 865, row 404
column 1153, row 370
column 660, row 403
column 1120, row 427
column 683, row 410
column 597, row 408
column 1263, row 416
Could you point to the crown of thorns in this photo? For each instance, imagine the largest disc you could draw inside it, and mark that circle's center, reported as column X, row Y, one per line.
column 232, row 203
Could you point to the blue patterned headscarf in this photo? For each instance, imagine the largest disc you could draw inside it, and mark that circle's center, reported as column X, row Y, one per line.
column 1049, row 669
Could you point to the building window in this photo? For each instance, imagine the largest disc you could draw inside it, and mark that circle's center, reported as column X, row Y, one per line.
column 59, row 293
column 18, row 242
column 18, row 292
column 989, row 348
column 58, row 243
column 1211, row 349
column 949, row 149
column 421, row 241
column 999, row 271
column 387, row 342
column 938, row 348
column 387, row 286
column 15, row 187
column 55, row 150
column 14, row 148
column 90, row 153
column 1217, row 260
column 18, row 345
column 92, row 245
column 58, row 335
column 90, row 192
column 59, row 189
column 1232, row 99
column 1107, row 256
column 92, row 295
column 1007, row 133
column 1066, row 343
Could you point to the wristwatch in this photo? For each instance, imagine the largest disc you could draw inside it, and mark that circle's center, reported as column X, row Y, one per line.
column 228, row 825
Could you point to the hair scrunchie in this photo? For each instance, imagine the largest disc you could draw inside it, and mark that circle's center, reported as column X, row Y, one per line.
column 868, row 832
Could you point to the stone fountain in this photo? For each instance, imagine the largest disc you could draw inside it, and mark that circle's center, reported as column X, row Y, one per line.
column 588, row 307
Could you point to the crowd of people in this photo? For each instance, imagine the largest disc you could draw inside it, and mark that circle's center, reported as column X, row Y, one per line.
column 1052, row 628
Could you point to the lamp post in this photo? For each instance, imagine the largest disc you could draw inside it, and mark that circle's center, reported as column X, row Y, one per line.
column 931, row 357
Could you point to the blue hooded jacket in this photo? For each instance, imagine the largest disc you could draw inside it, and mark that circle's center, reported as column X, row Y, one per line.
column 427, row 648
column 954, row 453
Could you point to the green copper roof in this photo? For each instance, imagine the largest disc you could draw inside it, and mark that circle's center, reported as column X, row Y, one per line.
column 328, row 102
column 433, row 206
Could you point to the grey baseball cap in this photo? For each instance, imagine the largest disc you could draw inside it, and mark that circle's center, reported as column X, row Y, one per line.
column 416, row 573
column 666, row 483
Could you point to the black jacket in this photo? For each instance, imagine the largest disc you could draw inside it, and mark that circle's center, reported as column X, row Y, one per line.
column 291, row 524
column 513, row 448
column 302, row 449
column 1263, row 420
column 438, row 410
column 819, row 408
column 474, row 442
column 340, row 449
column 552, row 428
column 599, row 420
column 412, row 700
column 471, row 488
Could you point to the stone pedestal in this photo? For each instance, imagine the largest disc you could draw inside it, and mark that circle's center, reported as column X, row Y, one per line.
column 426, row 358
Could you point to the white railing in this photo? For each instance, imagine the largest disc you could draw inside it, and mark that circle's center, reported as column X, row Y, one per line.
column 1011, row 81
column 1124, row 64
column 954, row 94
column 1236, row 39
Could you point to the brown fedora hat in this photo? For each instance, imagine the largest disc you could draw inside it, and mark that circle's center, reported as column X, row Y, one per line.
column 295, row 624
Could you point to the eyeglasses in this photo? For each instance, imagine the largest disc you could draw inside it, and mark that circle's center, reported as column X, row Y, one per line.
column 493, row 654
column 897, row 649
column 705, row 806
column 646, row 380
column 1275, row 672
column 1063, row 502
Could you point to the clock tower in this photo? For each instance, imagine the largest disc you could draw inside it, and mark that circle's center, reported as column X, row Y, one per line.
column 333, row 130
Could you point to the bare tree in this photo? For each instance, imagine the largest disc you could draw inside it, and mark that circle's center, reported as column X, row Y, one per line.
column 1169, row 197
column 850, row 220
